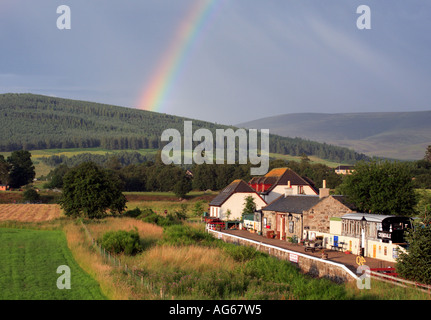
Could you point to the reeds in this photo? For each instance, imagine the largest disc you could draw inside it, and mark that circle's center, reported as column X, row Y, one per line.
column 111, row 284
column 184, row 258
column 145, row 230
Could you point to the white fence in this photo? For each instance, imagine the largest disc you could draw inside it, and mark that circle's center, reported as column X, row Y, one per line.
column 294, row 254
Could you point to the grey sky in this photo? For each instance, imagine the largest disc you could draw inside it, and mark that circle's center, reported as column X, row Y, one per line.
column 253, row 59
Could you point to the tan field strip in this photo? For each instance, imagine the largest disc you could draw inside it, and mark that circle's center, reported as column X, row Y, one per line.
column 29, row 212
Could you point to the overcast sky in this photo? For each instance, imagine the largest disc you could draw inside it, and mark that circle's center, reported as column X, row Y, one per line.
column 250, row 59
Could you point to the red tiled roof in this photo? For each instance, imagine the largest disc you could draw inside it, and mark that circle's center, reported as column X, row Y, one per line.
column 281, row 176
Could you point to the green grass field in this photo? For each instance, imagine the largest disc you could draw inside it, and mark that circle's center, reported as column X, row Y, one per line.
column 28, row 267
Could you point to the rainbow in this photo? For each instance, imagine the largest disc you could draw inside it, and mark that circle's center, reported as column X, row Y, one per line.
column 169, row 67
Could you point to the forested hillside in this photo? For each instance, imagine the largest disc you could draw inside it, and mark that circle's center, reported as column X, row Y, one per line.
column 34, row 122
column 396, row 135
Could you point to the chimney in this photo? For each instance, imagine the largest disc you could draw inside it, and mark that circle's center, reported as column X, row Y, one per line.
column 323, row 192
column 288, row 190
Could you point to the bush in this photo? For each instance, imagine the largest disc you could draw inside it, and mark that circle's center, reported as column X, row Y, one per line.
column 149, row 216
column 145, row 212
column 134, row 213
column 161, row 221
column 240, row 253
column 198, row 208
column 185, row 235
column 31, row 195
column 121, row 241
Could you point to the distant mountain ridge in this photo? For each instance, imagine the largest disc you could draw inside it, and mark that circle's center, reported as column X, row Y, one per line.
column 396, row 135
column 31, row 122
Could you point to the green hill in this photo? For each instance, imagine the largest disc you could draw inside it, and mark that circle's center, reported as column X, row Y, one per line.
column 396, row 135
column 36, row 122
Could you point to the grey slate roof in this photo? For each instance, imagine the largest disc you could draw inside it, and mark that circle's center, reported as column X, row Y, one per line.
column 292, row 203
column 235, row 186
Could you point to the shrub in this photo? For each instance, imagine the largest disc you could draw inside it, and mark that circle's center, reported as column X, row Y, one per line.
column 145, row 212
column 121, row 241
column 31, row 195
column 134, row 213
column 185, row 235
column 149, row 216
column 240, row 253
column 198, row 208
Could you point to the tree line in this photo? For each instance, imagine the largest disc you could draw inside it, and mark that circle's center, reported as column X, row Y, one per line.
column 124, row 158
column 148, row 175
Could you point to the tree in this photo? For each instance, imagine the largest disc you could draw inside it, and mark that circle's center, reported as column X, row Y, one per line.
column 415, row 263
column 381, row 188
column 55, row 177
column 423, row 206
column 198, row 208
column 249, row 206
column 428, row 154
column 89, row 191
column 182, row 187
column 21, row 168
column 31, row 195
column 4, row 171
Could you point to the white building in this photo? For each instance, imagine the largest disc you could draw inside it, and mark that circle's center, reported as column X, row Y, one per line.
column 230, row 202
column 380, row 236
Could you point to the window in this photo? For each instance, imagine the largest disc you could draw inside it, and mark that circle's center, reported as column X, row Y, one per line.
column 291, row 227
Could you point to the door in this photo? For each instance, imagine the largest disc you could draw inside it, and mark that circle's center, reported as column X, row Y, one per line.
column 374, row 250
column 281, row 226
column 336, row 241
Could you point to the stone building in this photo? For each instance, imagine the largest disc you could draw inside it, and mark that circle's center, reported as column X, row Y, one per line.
column 283, row 218
column 299, row 217
column 317, row 217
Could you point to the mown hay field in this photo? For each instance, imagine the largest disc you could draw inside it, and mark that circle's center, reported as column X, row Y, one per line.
column 30, row 212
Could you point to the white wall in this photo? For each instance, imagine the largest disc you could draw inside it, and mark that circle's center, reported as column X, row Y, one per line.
column 373, row 248
column 335, row 227
column 280, row 190
column 236, row 204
